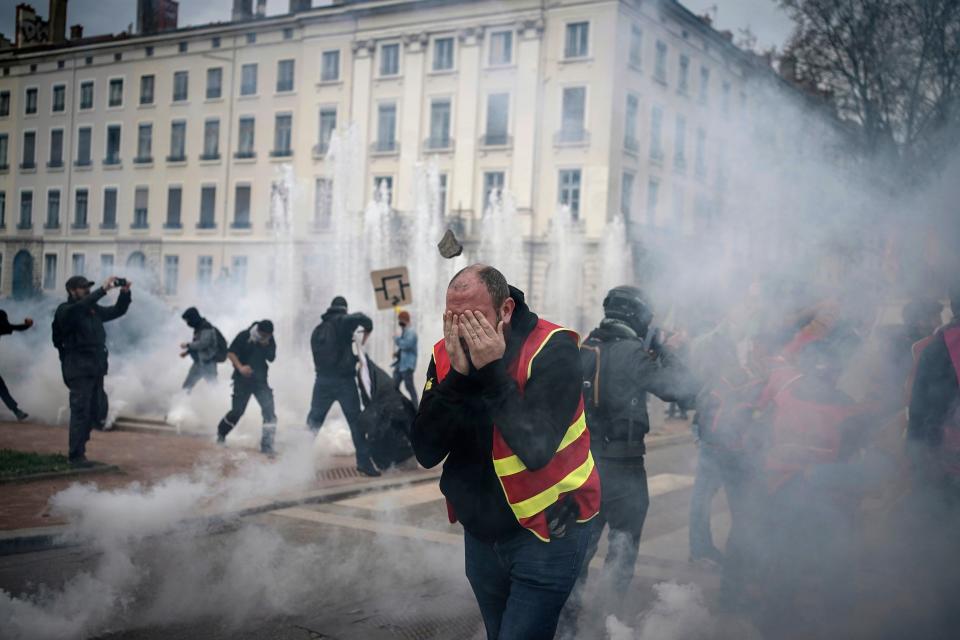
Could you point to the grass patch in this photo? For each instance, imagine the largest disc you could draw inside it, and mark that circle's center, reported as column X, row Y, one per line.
column 14, row 464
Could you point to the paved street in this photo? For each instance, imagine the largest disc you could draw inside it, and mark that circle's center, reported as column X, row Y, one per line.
column 385, row 564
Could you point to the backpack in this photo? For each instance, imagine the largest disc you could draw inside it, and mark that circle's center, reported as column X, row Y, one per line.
column 222, row 347
column 326, row 346
column 590, row 364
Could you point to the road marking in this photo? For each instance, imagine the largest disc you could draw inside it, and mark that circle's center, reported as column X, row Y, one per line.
column 402, row 498
column 389, row 528
column 666, row 482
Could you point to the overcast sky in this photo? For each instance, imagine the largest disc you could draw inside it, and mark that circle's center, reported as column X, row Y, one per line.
column 768, row 23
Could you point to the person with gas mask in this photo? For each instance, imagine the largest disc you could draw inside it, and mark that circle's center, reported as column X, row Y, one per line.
column 622, row 361
column 250, row 354
column 204, row 349
column 80, row 338
column 6, row 328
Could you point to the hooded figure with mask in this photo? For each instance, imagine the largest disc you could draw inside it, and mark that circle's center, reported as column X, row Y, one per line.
column 336, row 368
column 6, row 329
column 203, row 349
column 251, row 353
column 622, row 362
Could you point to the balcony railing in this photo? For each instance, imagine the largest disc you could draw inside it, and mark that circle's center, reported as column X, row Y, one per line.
column 438, row 144
column 496, row 140
column 82, row 162
column 28, row 166
column 25, row 225
column 111, row 160
column 143, row 160
column 571, row 137
column 210, row 156
column 55, row 164
column 177, row 158
column 107, row 225
column 51, row 225
column 281, row 153
column 245, row 155
column 385, row 147
column 172, row 224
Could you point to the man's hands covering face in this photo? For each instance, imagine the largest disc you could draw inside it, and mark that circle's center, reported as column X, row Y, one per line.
column 486, row 344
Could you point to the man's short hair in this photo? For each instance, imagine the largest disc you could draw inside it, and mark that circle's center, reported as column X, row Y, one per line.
column 491, row 278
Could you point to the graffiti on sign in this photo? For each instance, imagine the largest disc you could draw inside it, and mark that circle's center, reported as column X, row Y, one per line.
column 391, row 287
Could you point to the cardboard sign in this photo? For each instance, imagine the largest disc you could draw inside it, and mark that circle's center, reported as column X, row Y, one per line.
column 391, row 287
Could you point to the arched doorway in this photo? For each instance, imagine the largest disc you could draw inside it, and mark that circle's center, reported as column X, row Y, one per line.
column 137, row 260
column 23, row 274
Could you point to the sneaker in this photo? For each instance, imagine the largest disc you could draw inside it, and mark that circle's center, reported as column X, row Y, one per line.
column 367, row 469
column 81, row 463
column 21, row 415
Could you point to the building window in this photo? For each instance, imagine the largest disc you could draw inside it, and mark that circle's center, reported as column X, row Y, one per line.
column 241, row 207
column 700, row 168
column 330, row 66
column 146, row 89
column 493, row 182
column 182, row 47
column 660, row 68
column 84, row 139
column 4, row 104
column 680, row 144
column 323, row 203
column 390, row 60
column 577, row 41
column 211, row 139
column 569, row 195
column 443, row 54
column 56, row 148
column 208, row 207
column 50, row 271
column 442, row 194
column 115, row 93
column 288, row 34
column 245, row 149
column 636, row 46
column 501, row 48
column 144, row 143
column 498, row 118
column 137, row 260
column 79, row 264
column 53, row 209
column 704, row 84
column 59, row 98
column 141, row 198
column 285, row 76
column 387, row 127
column 574, row 108
column 88, row 60
column 204, row 270
column 630, row 123
column 148, row 52
column 4, row 147
column 248, row 79
column 26, row 210
column 215, row 42
column 3, row 209
column 113, row 145
column 282, row 135
column 726, row 99
column 109, row 209
column 238, row 269
column 214, row 83
column 178, row 141
column 181, row 83
column 174, row 201
column 86, row 94
column 656, row 134
column 626, row 195
column 383, row 188
column 106, row 265
column 683, row 82
column 30, row 104
column 439, row 124
column 171, row 273
column 653, row 196
column 251, row 38
column 81, row 201
column 328, row 124
column 29, row 157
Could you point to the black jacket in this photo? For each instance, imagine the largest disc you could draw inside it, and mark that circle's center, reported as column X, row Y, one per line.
column 332, row 342
column 6, row 328
column 455, row 421
column 79, row 336
column 628, row 372
column 254, row 355
column 935, row 393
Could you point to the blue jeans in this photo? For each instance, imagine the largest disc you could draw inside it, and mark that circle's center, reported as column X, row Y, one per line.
column 521, row 583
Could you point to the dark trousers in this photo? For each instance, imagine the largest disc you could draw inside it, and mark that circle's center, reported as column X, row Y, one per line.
column 88, row 410
column 522, row 583
column 326, row 391
column 200, row 371
column 242, row 391
column 6, row 397
column 406, row 377
column 624, row 501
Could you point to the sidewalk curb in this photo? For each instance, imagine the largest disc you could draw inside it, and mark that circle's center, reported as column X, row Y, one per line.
column 66, row 473
column 44, row 538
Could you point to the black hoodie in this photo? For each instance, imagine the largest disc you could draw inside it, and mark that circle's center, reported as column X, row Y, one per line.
column 332, row 342
column 456, row 416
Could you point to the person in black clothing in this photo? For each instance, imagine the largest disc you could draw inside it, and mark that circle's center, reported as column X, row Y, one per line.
column 202, row 349
column 520, row 582
column 6, row 329
column 622, row 362
column 79, row 336
column 336, row 369
column 250, row 354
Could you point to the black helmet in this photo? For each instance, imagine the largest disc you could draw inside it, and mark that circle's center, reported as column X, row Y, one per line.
column 630, row 305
